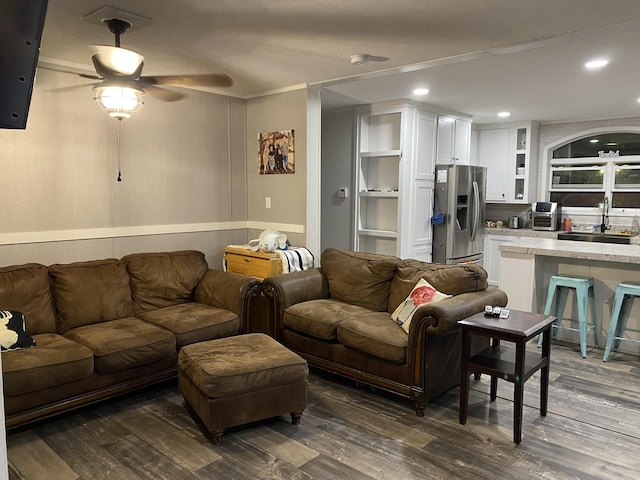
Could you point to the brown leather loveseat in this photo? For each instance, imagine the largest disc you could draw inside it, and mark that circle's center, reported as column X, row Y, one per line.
column 338, row 317
column 104, row 327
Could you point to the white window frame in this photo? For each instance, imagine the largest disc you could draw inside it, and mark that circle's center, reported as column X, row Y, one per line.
column 609, row 176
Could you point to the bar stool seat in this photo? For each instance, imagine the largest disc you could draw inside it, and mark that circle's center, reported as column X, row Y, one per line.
column 625, row 290
column 583, row 286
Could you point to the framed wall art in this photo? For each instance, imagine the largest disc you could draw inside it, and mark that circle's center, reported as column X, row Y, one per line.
column 276, row 152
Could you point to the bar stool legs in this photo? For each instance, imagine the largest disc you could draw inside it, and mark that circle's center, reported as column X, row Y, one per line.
column 583, row 286
column 618, row 325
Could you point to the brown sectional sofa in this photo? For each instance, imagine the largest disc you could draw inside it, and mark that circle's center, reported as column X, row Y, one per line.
column 105, row 327
column 338, row 317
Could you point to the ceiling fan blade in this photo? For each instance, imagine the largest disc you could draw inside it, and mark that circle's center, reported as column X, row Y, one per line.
column 197, row 80
column 116, row 61
column 70, row 88
column 63, row 70
column 163, row 94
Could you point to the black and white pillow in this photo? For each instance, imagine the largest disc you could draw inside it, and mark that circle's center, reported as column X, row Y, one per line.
column 12, row 331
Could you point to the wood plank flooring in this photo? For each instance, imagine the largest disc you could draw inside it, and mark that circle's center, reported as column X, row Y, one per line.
column 591, row 431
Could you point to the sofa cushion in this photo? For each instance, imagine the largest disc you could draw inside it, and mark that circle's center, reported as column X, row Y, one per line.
column 26, row 288
column 376, row 335
column 449, row 279
column 90, row 292
column 362, row 279
column 125, row 343
column 320, row 318
column 194, row 322
column 54, row 361
column 12, row 333
column 164, row 279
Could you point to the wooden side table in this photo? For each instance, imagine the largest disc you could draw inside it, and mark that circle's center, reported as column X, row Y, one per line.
column 255, row 264
column 506, row 363
column 259, row 265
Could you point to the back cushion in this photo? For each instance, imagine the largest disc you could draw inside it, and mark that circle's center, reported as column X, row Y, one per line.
column 449, row 279
column 164, row 279
column 26, row 288
column 90, row 292
column 362, row 279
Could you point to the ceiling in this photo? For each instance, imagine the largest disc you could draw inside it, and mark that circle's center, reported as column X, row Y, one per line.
column 476, row 57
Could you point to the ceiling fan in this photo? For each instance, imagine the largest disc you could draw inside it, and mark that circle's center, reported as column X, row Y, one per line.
column 121, row 84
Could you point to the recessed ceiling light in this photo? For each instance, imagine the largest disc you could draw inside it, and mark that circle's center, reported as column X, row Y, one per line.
column 594, row 140
column 421, row 91
column 594, row 64
column 504, row 114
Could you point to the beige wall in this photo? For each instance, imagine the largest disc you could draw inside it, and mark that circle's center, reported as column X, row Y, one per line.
column 183, row 177
column 282, row 111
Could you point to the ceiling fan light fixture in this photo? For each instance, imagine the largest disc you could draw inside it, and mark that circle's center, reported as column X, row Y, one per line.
column 119, row 101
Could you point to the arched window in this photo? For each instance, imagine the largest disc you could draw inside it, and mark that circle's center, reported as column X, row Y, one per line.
column 585, row 171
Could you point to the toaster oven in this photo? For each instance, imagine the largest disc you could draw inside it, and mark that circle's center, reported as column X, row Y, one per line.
column 546, row 216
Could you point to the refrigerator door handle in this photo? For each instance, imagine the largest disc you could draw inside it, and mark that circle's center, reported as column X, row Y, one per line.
column 476, row 210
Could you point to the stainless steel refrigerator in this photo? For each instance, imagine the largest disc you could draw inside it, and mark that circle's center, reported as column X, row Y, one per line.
column 459, row 213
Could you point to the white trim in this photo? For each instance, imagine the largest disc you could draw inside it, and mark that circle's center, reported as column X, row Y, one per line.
column 16, row 238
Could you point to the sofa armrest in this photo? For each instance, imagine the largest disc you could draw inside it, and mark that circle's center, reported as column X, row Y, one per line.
column 441, row 317
column 296, row 287
column 228, row 290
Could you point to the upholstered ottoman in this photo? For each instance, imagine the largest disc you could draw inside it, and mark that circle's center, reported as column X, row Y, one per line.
column 242, row 379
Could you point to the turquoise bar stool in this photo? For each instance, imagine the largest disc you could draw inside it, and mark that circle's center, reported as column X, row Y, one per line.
column 559, row 288
column 624, row 291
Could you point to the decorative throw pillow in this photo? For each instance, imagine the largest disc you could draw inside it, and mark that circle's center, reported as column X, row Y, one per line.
column 12, row 331
column 421, row 294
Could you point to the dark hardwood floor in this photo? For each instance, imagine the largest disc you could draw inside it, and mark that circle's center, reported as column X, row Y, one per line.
column 592, row 431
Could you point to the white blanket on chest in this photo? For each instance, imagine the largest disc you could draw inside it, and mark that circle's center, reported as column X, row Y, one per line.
column 296, row 259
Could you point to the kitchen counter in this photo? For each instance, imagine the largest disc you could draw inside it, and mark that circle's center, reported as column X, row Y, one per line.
column 607, row 252
column 527, row 264
column 520, row 232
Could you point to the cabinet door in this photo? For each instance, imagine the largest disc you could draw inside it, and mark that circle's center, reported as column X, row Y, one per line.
column 445, row 145
column 492, row 256
column 493, row 153
column 462, row 142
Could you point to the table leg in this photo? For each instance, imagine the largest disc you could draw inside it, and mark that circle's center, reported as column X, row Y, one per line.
column 464, row 376
column 544, row 373
column 518, row 395
column 494, row 389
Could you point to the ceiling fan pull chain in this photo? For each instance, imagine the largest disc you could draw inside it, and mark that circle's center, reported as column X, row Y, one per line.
column 119, row 179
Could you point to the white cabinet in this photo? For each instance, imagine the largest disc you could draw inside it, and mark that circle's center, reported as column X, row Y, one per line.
column 454, row 140
column 510, row 154
column 493, row 153
column 492, row 255
column 394, row 181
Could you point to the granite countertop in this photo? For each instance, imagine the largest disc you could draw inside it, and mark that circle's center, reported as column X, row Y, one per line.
column 608, row 252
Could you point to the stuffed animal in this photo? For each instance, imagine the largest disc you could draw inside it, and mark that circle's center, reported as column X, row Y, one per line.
column 269, row 241
column 7, row 337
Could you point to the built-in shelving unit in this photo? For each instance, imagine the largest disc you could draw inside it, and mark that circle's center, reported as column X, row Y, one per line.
column 395, row 162
column 378, row 165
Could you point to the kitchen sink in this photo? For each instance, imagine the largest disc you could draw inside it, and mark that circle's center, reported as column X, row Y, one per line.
column 596, row 237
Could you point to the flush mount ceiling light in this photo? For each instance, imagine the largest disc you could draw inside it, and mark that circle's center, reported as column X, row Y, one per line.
column 504, row 114
column 420, row 91
column 596, row 64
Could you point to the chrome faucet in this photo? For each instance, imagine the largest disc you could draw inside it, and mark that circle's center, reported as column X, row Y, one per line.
column 605, row 215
